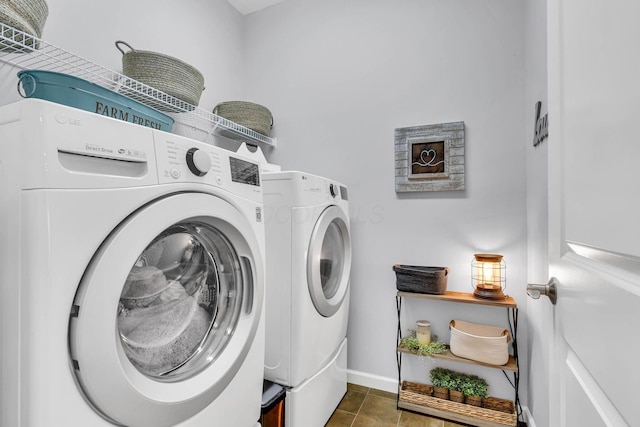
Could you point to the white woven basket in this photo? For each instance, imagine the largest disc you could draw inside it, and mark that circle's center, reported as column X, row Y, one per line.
column 163, row 72
column 482, row 343
column 28, row 16
column 253, row 116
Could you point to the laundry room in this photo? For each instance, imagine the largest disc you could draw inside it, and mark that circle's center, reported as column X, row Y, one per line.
column 339, row 78
column 352, row 89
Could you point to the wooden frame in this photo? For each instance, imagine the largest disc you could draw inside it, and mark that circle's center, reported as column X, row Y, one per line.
column 430, row 157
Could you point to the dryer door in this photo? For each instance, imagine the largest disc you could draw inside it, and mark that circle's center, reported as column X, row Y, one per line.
column 329, row 261
column 167, row 310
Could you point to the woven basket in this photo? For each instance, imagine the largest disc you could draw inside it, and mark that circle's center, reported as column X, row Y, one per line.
column 424, row 389
column 497, row 404
column 28, row 16
column 473, row 400
column 247, row 114
column 456, row 396
column 419, row 279
column 163, row 72
column 441, row 393
column 482, row 343
column 410, row 392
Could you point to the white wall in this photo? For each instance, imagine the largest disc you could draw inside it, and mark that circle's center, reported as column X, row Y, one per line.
column 540, row 313
column 206, row 35
column 339, row 77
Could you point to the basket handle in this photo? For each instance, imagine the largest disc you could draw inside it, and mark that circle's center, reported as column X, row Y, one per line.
column 119, row 42
column 21, row 85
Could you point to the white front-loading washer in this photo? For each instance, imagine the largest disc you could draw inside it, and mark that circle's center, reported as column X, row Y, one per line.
column 307, row 292
column 132, row 275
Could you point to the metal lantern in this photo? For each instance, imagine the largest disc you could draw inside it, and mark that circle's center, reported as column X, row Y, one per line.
column 488, row 276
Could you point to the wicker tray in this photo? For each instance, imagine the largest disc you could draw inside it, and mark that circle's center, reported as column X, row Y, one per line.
column 419, row 279
column 417, row 394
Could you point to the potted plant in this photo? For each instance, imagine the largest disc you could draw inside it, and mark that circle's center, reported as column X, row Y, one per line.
column 455, row 388
column 441, row 379
column 411, row 343
column 474, row 389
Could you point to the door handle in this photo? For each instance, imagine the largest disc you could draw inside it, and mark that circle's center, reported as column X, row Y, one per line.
column 550, row 290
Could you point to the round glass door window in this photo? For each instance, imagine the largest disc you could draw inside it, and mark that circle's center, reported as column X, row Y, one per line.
column 332, row 258
column 181, row 302
column 329, row 261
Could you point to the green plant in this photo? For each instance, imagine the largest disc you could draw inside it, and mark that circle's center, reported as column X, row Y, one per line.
column 443, row 378
column 469, row 385
column 411, row 343
column 457, row 382
column 472, row 385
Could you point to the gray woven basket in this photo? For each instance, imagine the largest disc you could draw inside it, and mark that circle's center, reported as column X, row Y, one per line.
column 28, row 16
column 420, row 279
column 163, row 72
column 247, row 114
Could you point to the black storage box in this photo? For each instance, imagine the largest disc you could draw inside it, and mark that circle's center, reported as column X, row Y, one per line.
column 273, row 398
column 423, row 280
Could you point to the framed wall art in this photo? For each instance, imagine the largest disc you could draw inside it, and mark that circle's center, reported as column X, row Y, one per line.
column 430, row 157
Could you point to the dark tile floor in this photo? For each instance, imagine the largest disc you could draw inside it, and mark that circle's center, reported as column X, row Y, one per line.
column 368, row 407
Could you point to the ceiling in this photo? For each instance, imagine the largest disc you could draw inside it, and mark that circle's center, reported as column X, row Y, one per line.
column 248, row 6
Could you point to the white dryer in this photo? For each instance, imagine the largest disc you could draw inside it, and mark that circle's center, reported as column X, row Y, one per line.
column 132, row 275
column 307, row 292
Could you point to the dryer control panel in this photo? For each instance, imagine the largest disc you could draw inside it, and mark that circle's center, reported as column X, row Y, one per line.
column 304, row 189
column 338, row 191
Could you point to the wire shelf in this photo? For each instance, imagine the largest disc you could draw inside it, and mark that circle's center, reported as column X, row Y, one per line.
column 25, row 52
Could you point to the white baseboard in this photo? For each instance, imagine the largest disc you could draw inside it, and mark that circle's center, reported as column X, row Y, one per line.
column 528, row 418
column 372, row 381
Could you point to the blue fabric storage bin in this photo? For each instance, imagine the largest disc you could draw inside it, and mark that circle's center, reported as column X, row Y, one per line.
column 79, row 93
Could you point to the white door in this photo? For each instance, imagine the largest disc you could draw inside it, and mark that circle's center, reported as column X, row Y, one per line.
column 594, row 211
column 329, row 261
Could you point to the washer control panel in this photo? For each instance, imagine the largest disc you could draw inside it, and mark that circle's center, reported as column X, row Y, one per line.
column 198, row 161
column 244, row 171
column 182, row 159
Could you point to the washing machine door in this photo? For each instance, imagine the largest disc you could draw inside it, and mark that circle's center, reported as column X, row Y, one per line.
column 167, row 310
column 329, row 261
